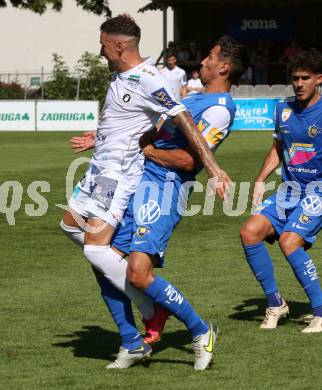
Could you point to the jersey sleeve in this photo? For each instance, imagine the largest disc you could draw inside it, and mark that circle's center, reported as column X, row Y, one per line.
column 183, row 79
column 214, row 125
column 159, row 97
column 276, row 134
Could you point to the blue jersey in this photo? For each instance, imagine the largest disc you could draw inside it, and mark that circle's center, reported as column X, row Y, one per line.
column 170, row 136
column 160, row 199
column 301, row 134
column 206, row 109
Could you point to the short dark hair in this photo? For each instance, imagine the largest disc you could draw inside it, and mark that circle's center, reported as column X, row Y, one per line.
column 171, row 54
column 237, row 53
column 310, row 60
column 122, row 24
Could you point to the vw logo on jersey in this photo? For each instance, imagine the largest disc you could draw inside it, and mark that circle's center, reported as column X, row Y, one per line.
column 126, row 98
column 286, row 113
column 149, row 212
column 312, row 204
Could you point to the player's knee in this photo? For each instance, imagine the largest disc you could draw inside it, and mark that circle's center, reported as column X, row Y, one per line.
column 249, row 233
column 75, row 234
column 134, row 277
column 289, row 242
column 137, row 276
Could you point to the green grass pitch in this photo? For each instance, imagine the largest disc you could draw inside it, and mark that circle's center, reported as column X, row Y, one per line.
column 55, row 332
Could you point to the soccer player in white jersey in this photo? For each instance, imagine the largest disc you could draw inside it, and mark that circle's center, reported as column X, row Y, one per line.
column 136, row 98
column 169, row 154
column 175, row 76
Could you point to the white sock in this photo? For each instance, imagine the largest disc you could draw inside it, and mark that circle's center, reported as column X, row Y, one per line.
column 113, row 267
column 76, row 234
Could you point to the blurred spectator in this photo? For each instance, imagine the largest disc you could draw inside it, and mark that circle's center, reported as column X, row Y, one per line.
column 181, row 53
column 194, row 84
column 194, row 57
column 247, row 77
column 291, row 51
column 260, row 59
column 176, row 76
column 170, row 49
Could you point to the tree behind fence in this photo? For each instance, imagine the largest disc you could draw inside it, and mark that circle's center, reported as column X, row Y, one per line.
column 89, row 81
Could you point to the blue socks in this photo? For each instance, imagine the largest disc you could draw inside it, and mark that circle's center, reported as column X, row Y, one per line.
column 274, row 299
column 121, row 310
column 261, row 264
column 306, row 273
column 169, row 297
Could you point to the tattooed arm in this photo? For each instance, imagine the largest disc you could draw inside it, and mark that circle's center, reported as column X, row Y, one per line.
column 200, row 147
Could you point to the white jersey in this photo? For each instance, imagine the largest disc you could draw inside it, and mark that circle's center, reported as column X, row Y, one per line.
column 134, row 102
column 176, row 78
column 194, row 83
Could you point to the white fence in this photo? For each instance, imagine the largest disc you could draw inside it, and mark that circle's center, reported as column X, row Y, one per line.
column 48, row 115
column 264, row 90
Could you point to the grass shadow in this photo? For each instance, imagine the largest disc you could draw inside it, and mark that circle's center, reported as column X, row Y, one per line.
column 91, row 342
column 254, row 310
column 94, row 342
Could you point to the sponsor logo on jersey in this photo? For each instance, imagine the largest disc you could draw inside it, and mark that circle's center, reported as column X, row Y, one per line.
column 312, row 205
column 126, row 98
column 297, row 226
column 10, row 116
column 149, row 213
column 302, row 170
column 286, row 113
column 304, row 218
column 214, row 136
column 313, row 131
column 300, row 154
column 145, row 70
column 202, row 125
column 162, row 96
column 134, row 77
column 141, row 231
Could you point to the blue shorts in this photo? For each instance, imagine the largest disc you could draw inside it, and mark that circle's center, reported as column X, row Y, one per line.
column 154, row 211
column 298, row 218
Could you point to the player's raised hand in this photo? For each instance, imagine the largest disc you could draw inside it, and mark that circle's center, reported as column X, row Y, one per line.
column 84, row 142
column 258, row 194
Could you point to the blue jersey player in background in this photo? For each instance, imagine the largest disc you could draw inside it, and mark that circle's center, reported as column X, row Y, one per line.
column 294, row 214
column 159, row 202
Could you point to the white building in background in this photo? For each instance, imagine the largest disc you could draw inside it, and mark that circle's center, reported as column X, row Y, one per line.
column 28, row 40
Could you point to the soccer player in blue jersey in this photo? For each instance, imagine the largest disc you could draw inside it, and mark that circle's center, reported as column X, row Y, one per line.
column 153, row 214
column 293, row 215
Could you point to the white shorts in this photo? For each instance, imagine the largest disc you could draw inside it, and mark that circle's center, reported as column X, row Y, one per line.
column 104, row 195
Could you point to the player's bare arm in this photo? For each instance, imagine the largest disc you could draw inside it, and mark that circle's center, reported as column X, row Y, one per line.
column 271, row 162
column 200, row 147
column 174, row 159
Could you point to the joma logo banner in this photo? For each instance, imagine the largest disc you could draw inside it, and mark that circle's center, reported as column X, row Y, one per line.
column 258, row 24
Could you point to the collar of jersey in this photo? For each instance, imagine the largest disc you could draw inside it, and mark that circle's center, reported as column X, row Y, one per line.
column 147, row 61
